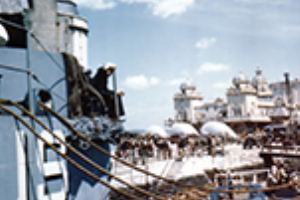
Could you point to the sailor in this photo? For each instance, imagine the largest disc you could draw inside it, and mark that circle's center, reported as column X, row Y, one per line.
column 282, row 174
column 230, row 184
column 211, row 145
column 100, row 82
column 45, row 97
column 274, row 175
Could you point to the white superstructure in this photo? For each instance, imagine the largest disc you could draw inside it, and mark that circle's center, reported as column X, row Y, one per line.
column 252, row 102
column 186, row 103
column 72, row 31
column 249, row 100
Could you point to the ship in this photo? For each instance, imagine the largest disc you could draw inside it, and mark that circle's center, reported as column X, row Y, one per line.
column 55, row 117
column 59, row 123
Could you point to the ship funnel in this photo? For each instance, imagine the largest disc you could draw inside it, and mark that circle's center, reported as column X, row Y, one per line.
column 3, row 35
column 288, row 86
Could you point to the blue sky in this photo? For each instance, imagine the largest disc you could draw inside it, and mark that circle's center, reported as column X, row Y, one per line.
column 157, row 44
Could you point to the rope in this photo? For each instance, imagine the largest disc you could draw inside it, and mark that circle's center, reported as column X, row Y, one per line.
column 70, row 160
column 79, row 154
column 201, row 189
column 20, row 27
column 34, row 77
column 126, row 163
column 100, row 149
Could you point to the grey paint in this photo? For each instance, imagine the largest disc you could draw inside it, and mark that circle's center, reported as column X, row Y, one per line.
column 14, row 86
column 8, row 157
column 8, row 165
column 13, row 6
column 67, row 7
column 43, row 24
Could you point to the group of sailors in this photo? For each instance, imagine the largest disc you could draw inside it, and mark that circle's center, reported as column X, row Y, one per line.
column 275, row 138
column 139, row 149
column 281, row 173
column 283, row 139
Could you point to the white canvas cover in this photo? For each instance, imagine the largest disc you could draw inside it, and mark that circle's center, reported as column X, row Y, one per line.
column 218, row 129
column 183, row 129
column 157, row 130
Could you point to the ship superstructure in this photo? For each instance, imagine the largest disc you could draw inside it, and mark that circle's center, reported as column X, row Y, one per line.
column 42, row 62
column 250, row 103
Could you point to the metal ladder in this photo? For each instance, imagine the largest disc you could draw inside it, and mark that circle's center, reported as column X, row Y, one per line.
column 52, row 169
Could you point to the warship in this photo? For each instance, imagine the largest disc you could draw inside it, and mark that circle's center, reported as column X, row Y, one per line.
column 59, row 123
column 47, row 96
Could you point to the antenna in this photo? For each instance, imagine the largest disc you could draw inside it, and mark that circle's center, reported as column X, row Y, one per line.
column 1, row 76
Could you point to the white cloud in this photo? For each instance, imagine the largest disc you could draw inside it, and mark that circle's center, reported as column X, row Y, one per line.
column 204, row 43
column 139, row 82
column 212, row 67
column 161, row 8
column 166, row 8
column 97, row 4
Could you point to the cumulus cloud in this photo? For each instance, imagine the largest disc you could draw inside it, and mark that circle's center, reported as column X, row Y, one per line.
column 139, row 82
column 97, row 4
column 212, row 67
column 204, row 43
column 166, row 8
column 161, row 8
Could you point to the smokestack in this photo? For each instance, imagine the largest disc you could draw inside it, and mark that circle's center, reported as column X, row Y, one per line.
column 43, row 23
column 288, row 87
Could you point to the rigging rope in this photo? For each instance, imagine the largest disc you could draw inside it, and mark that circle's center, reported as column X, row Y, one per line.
column 201, row 190
column 20, row 27
column 79, row 154
column 70, row 160
column 34, row 77
column 100, row 149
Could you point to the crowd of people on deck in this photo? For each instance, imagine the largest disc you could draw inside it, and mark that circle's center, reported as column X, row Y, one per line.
column 275, row 138
column 139, row 149
column 281, row 172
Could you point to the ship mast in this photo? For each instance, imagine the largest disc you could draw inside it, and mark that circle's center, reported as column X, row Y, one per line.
column 289, row 101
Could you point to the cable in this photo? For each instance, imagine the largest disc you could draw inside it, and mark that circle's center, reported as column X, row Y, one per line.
column 34, row 77
column 13, row 24
column 79, row 154
column 100, row 149
column 70, row 160
column 205, row 190
column 89, row 87
column 16, row 69
column 47, row 52
column 20, row 27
